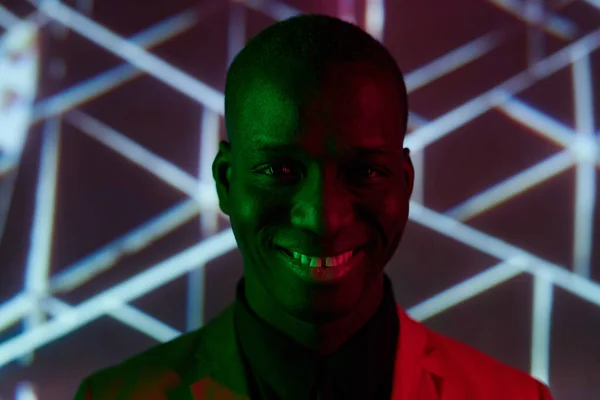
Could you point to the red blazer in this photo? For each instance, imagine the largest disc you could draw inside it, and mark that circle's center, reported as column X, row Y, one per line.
column 205, row 364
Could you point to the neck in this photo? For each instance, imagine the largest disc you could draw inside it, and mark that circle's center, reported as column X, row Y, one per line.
column 325, row 337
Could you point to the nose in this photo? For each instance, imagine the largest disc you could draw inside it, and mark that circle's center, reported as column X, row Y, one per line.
column 322, row 206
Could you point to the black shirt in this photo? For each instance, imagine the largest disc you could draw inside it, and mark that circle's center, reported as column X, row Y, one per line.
column 280, row 368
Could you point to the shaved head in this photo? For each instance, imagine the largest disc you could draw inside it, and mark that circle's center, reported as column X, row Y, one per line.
column 293, row 58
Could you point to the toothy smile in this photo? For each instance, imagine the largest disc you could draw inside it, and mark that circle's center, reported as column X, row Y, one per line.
column 333, row 261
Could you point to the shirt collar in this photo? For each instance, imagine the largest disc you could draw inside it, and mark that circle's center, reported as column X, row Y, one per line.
column 289, row 367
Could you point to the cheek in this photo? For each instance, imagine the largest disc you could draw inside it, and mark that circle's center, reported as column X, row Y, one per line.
column 391, row 205
column 252, row 206
column 392, row 212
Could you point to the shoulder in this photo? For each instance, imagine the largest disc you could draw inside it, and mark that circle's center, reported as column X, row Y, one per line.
column 155, row 366
column 160, row 366
column 482, row 373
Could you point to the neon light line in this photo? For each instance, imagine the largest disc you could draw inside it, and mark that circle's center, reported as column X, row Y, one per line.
column 500, row 192
column 541, row 123
column 583, row 230
column 274, row 9
column 106, row 257
column 7, row 18
column 541, row 327
column 121, row 144
column 582, row 90
column 134, row 54
column 126, row 314
column 498, row 95
column 104, row 82
column 37, row 268
column 453, row 60
column 588, row 151
column 466, row 289
column 375, row 18
column 502, row 250
column 556, row 25
column 113, row 298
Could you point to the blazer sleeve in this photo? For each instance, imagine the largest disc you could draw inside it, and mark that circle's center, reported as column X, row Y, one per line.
column 544, row 392
column 83, row 392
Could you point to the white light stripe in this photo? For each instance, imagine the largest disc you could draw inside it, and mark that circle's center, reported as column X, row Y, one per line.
column 466, row 289
column 38, row 257
column 561, row 27
column 541, row 324
column 12, row 310
column 86, row 91
column 418, row 160
column 511, row 187
column 167, row 29
column 535, row 14
column 111, row 299
column 375, row 18
column 127, row 314
column 236, row 34
column 274, row 9
column 583, row 230
column 102, row 83
column 38, row 260
column 415, row 121
column 593, row 3
column 104, row 258
column 582, row 90
column 209, row 146
column 209, row 219
column 135, row 54
column 539, row 122
column 7, row 18
column 143, row 322
column 555, row 25
column 581, row 287
column 500, row 249
column 452, row 61
column 7, row 165
column 441, row 126
column 138, row 154
column 25, row 391
column 345, row 11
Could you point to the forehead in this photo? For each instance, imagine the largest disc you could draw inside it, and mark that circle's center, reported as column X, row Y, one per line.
column 353, row 106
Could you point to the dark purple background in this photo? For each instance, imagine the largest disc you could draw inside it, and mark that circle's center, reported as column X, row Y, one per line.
column 102, row 195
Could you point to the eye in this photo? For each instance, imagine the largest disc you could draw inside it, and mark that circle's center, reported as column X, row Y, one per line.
column 278, row 170
column 366, row 172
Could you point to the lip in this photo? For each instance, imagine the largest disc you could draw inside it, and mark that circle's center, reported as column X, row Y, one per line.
column 336, row 253
column 320, row 275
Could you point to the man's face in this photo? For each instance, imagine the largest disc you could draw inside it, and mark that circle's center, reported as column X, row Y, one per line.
column 315, row 174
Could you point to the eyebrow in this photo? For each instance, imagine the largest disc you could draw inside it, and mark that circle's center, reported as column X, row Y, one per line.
column 290, row 148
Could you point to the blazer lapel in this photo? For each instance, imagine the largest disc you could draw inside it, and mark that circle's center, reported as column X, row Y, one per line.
column 215, row 369
column 419, row 372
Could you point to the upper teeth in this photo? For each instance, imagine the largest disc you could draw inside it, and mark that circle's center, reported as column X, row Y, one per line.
column 323, row 261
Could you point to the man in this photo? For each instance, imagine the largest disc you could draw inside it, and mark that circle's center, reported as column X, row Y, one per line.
column 317, row 186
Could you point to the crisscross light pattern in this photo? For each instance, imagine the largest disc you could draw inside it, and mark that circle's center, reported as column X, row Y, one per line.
column 38, row 314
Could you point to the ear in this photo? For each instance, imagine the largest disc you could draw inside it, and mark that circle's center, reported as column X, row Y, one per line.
column 221, row 170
